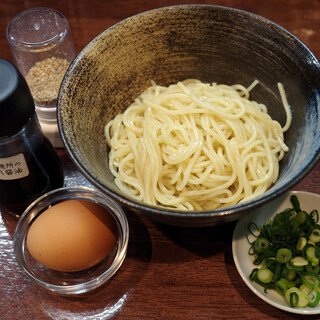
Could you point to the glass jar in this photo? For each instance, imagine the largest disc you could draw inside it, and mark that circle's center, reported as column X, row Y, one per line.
column 42, row 47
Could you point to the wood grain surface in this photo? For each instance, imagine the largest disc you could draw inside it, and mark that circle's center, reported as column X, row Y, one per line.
column 169, row 272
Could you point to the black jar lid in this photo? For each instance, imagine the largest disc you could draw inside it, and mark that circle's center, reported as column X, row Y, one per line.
column 16, row 102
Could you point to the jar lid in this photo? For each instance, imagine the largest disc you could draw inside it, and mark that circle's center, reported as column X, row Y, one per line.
column 16, row 102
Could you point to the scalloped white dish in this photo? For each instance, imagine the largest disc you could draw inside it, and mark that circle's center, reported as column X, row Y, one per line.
column 240, row 246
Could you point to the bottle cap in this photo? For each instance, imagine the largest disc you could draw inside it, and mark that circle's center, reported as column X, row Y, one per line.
column 16, row 102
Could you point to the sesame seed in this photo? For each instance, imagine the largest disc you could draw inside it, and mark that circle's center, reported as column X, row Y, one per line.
column 44, row 80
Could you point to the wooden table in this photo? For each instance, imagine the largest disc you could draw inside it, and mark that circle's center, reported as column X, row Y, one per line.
column 169, row 272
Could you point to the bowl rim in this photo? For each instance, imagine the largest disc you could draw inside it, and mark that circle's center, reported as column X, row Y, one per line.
column 85, row 193
column 269, row 195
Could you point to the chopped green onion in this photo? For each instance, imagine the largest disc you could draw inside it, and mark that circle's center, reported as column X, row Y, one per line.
column 271, row 263
column 303, row 300
column 291, row 275
column 311, row 255
column 276, row 273
column 314, row 214
column 313, row 269
column 315, row 236
column 301, row 243
column 264, row 275
column 299, row 262
column 261, row 244
column 301, row 217
column 314, row 297
column 281, row 286
column 287, row 250
column 311, row 252
column 295, row 203
column 284, row 255
column 310, row 280
column 296, row 268
column 253, row 226
column 288, row 274
column 292, row 296
column 297, row 298
column 305, row 289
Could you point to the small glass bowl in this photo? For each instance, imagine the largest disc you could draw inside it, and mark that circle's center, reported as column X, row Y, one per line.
column 69, row 283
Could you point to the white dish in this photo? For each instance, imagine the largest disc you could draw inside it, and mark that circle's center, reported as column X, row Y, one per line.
column 240, row 246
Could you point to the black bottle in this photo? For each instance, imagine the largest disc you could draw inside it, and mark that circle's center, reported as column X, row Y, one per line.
column 29, row 165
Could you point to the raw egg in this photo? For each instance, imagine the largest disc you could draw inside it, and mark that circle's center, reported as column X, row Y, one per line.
column 71, row 236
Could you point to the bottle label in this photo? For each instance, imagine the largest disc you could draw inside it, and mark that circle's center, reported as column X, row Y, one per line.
column 14, row 167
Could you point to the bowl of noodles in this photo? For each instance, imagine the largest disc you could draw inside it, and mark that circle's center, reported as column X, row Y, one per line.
column 192, row 115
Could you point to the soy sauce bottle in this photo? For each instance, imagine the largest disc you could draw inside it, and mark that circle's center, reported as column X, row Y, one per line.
column 29, row 165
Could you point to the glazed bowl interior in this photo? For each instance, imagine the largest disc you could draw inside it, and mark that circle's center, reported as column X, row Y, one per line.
column 167, row 45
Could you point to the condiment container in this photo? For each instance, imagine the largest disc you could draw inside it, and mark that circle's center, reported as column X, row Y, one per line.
column 42, row 47
column 29, row 165
column 71, row 283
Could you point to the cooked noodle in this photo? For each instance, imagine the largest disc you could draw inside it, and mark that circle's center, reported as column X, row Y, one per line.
column 196, row 146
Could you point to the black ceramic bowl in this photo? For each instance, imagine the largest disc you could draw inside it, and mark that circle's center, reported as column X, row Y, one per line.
column 212, row 44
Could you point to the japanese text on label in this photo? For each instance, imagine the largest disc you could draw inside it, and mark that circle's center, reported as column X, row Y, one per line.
column 14, row 167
